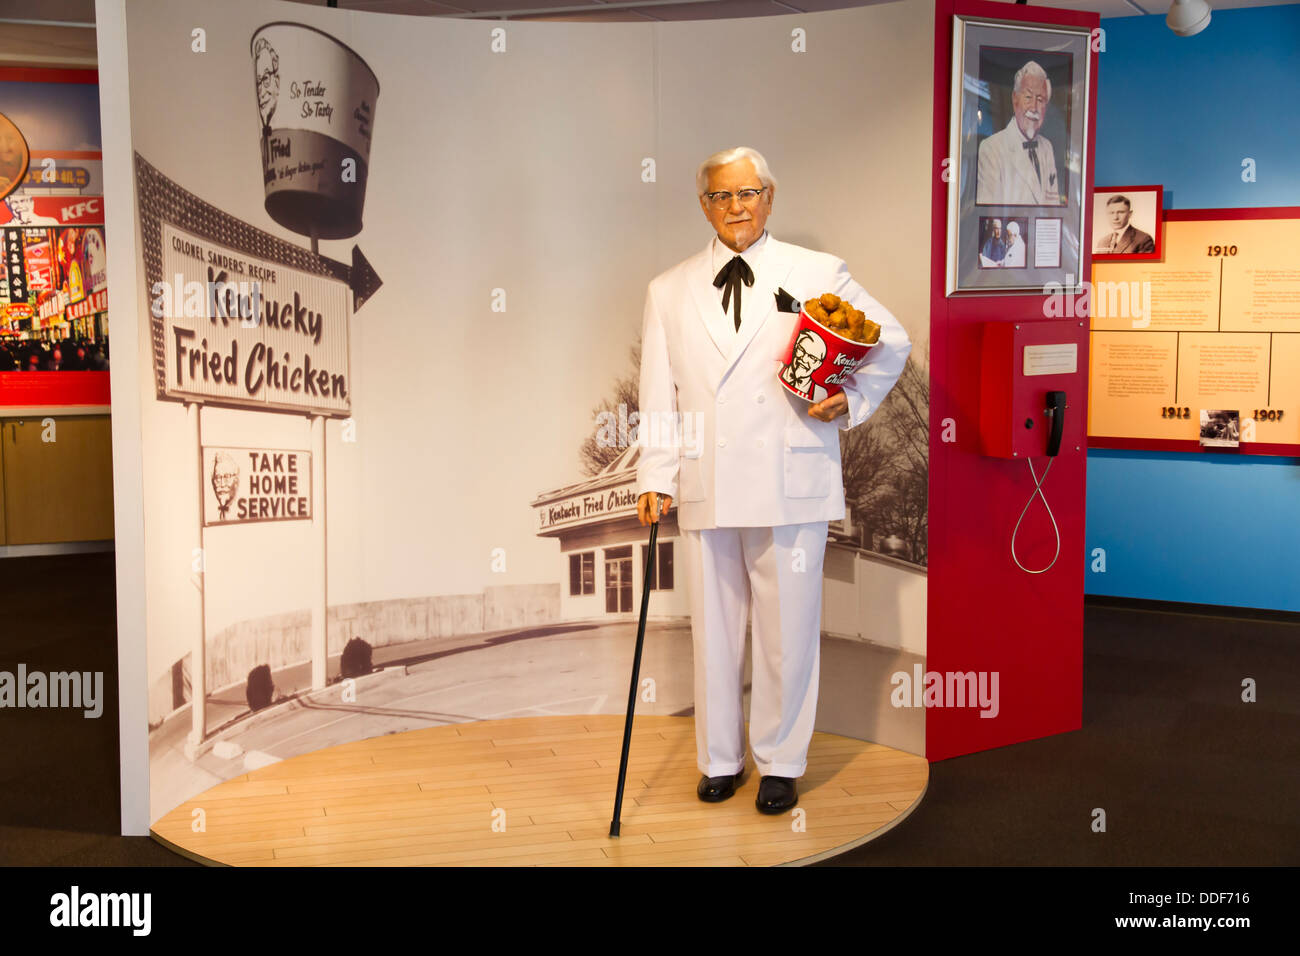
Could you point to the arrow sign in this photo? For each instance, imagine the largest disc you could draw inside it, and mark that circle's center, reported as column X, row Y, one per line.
column 363, row 281
column 360, row 277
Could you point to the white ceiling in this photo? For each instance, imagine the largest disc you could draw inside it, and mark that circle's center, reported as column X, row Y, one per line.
column 59, row 33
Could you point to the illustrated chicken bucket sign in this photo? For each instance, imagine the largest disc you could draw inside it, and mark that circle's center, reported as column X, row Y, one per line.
column 819, row 360
column 316, row 125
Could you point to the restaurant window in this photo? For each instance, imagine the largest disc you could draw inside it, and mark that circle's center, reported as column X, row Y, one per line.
column 582, row 573
column 661, row 571
column 618, row 579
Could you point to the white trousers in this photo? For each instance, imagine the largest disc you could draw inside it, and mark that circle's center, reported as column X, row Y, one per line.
column 776, row 572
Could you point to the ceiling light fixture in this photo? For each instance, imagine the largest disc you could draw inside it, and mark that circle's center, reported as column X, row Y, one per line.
column 1188, row 17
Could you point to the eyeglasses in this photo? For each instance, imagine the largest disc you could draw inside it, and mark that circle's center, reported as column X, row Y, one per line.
column 723, row 199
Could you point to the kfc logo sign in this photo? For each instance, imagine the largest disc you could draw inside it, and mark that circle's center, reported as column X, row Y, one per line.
column 75, row 212
column 21, row 209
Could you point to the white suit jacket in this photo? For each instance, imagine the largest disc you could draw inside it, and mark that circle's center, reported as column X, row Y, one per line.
column 717, row 431
column 1006, row 174
column 1015, row 255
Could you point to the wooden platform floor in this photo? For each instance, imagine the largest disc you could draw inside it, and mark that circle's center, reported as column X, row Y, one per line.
column 537, row 791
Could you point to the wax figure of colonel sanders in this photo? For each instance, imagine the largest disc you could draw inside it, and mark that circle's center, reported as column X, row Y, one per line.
column 761, row 478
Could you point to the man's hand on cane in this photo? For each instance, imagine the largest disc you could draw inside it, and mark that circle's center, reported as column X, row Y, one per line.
column 647, row 506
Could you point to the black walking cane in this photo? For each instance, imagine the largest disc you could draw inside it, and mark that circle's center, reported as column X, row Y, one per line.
column 636, row 673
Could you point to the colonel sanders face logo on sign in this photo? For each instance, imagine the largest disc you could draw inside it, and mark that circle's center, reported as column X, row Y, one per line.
column 225, row 480
column 266, row 64
column 21, row 210
column 809, row 354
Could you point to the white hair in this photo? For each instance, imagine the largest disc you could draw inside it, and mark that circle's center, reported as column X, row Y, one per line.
column 264, row 45
column 1013, row 228
column 723, row 157
column 1030, row 69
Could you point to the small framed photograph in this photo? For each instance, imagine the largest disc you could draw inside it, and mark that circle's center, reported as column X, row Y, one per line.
column 1126, row 222
column 1220, row 428
column 1002, row 242
column 1018, row 140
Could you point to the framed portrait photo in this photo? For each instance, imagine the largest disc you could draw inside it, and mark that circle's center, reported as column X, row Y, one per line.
column 1126, row 222
column 1018, row 142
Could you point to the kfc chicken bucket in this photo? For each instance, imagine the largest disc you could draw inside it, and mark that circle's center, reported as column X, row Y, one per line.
column 316, row 99
column 820, row 358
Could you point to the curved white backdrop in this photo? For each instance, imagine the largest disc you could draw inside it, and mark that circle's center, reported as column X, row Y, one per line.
column 520, row 170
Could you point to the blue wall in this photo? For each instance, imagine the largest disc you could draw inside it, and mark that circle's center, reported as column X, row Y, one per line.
column 1183, row 112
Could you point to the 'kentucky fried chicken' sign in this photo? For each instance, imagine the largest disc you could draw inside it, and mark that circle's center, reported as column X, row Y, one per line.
column 239, row 330
column 240, row 317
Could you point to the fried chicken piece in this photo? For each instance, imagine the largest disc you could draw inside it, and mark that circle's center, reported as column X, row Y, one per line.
column 856, row 324
column 814, row 308
column 871, row 332
column 830, row 301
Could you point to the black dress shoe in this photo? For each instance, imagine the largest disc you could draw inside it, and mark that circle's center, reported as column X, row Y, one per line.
column 717, row 789
column 776, row 795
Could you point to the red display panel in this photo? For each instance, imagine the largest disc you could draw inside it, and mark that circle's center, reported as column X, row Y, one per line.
column 985, row 614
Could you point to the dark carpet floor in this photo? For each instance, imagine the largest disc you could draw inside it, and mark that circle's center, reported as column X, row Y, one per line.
column 1186, row 773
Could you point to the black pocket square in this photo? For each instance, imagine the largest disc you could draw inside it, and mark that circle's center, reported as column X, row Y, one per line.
column 785, row 302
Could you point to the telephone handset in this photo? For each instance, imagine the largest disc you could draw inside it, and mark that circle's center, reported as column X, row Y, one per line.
column 1056, row 412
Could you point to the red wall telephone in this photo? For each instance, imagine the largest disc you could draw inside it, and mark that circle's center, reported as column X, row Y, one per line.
column 1025, row 369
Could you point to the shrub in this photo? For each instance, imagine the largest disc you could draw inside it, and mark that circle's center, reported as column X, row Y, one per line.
column 260, row 687
column 356, row 659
